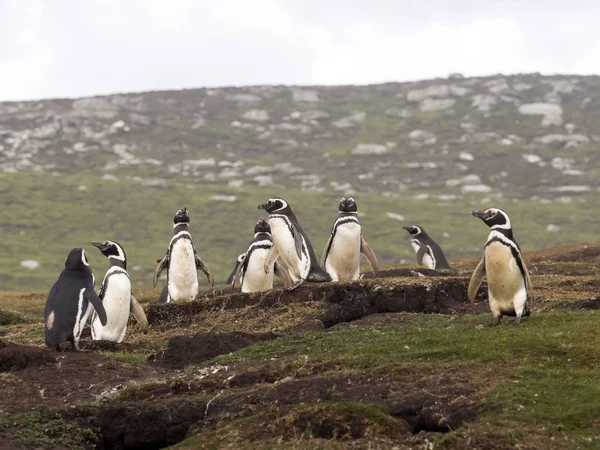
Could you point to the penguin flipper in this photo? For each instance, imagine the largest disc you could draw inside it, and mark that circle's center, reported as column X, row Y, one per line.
column 238, row 269
column 138, row 313
column 204, row 269
column 476, row 280
column 369, row 254
column 93, row 298
column 326, row 250
column 297, row 241
column 281, row 271
column 420, row 254
column 232, row 276
column 271, row 258
column 162, row 265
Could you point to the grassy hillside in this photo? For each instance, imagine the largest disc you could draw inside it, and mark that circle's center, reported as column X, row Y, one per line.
column 45, row 216
column 119, row 166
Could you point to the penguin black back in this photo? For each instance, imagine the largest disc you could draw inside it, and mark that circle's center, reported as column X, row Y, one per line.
column 426, row 244
column 67, row 305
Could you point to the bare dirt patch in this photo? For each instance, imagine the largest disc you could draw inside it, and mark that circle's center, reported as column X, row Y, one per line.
column 431, row 402
column 185, row 350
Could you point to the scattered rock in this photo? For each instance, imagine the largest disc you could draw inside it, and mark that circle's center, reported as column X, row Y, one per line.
column 422, row 137
column 552, row 228
column 475, row 188
column 552, row 113
column 395, row 112
column 369, row 149
column 436, row 104
column 465, row 156
column 224, row 198
column 563, row 140
column 256, row 115
column 305, row 95
column 471, row 179
column 395, row 216
column 350, row 121
column 533, row 159
column 30, row 264
column 576, row 189
column 484, row 102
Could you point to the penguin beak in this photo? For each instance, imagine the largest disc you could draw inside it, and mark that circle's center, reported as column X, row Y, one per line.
column 481, row 214
column 262, row 206
column 99, row 245
column 407, row 228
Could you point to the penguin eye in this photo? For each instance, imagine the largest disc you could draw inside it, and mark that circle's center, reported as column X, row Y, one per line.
column 270, row 202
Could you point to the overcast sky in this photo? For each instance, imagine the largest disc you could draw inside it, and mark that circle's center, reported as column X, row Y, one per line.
column 74, row 48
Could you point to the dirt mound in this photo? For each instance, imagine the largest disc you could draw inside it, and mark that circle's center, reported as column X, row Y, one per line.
column 584, row 305
column 18, row 357
column 585, row 253
column 341, row 302
column 184, row 350
column 141, row 426
column 417, row 272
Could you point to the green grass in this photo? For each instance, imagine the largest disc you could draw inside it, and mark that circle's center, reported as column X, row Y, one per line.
column 44, row 225
column 44, row 427
column 546, row 370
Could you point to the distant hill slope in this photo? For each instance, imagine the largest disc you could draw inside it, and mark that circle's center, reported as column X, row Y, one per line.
column 425, row 152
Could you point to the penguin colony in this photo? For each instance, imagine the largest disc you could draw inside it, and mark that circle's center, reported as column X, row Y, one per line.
column 281, row 248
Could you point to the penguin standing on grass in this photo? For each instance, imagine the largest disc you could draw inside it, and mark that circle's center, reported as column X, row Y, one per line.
column 291, row 244
column 508, row 279
column 70, row 301
column 182, row 262
column 341, row 257
column 429, row 253
column 116, row 296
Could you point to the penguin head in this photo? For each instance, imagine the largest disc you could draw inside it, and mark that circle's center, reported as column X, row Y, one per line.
column 262, row 226
column 494, row 218
column 415, row 230
column 348, row 205
column 111, row 249
column 181, row 216
column 273, row 205
column 77, row 260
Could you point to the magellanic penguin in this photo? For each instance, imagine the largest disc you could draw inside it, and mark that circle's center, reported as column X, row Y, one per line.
column 508, row 279
column 70, row 301
column 251, row 269
column 429, row 253
column 232, row 277
column 182, row 262
column 116, row 296
column 341, row 257
column 291, row 244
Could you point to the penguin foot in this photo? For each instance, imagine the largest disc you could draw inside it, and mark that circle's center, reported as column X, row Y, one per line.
column 294, row 286
column 517, row 321
column 495, row 321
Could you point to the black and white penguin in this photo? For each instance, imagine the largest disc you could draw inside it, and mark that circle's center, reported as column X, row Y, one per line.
column 251, row 269
column 70, row 301
column 235, row 271
column 341, row 257
column 429, row 253
column 116, row 296
column 182, row 262
column 508, row 279
column 291, row 244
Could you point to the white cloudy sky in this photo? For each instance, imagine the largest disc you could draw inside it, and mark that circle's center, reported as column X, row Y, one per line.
column 73, row 48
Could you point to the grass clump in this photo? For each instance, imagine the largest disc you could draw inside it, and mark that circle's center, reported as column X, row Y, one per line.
column 44, row 426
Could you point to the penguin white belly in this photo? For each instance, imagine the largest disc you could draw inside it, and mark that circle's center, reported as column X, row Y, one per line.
column 255, row 279
column 286, row 246
column 506, row 287
column 343, row 259
column 183, row 278
column 427, row 260
column 117, row 304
